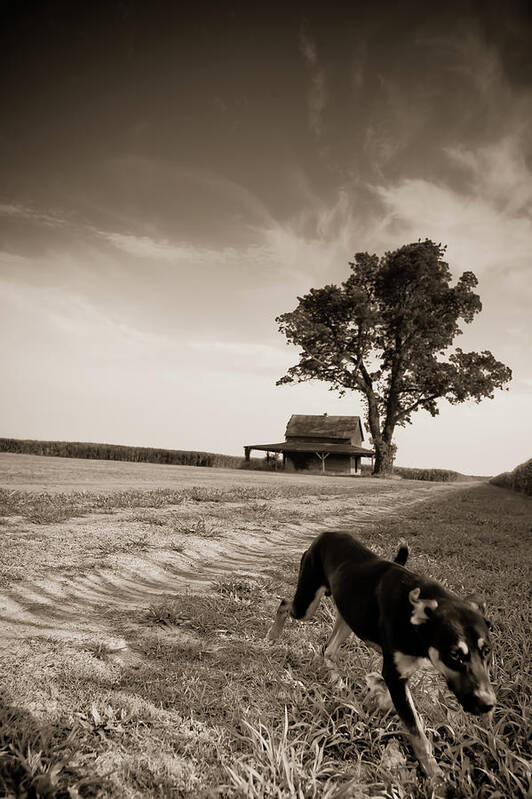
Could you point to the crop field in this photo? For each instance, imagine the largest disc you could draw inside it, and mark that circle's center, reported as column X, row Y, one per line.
column 134, row 602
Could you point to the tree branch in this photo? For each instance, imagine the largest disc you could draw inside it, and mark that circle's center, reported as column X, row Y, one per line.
column 415, row 405
column 366, row 377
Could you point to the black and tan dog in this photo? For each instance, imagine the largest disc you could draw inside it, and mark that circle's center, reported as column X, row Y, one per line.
column 407, row 617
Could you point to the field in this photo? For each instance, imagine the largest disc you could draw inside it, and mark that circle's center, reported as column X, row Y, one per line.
column 135, row 599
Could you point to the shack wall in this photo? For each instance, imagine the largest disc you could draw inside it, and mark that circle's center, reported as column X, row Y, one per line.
column 310, row 462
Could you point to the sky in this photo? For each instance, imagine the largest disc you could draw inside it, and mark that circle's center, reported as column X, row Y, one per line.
column 172, row 181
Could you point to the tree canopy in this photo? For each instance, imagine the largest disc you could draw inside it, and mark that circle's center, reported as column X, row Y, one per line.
column 387, row 332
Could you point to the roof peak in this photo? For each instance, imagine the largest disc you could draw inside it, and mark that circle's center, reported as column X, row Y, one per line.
column 312, row 425
column 321, row 416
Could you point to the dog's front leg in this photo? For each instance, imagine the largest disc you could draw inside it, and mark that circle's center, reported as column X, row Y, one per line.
column 340, row 632
column 408, row 714
column 280, row 619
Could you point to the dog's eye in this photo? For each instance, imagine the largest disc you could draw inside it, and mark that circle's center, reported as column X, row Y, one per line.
column 485, row 651
column 457, row 655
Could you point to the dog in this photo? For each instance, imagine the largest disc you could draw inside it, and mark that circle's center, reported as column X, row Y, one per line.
column 408, row 618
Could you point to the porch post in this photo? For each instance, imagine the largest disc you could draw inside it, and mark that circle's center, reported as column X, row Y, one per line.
column 322, row 456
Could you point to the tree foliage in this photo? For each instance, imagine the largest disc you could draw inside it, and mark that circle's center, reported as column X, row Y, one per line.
column 386, row 332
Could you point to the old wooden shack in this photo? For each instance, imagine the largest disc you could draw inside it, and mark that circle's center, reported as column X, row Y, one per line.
column 320, row 443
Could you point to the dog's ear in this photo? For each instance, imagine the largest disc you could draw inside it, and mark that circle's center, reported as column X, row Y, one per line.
column 422, row 607
column 477, row 603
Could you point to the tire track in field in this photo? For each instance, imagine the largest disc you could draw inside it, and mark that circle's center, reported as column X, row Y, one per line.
column 81, row 606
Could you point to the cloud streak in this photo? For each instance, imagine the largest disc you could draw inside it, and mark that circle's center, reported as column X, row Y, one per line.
column 148, row 248
column 499, row 173
column 485, row 226
column 317, row 97
column 18, row 211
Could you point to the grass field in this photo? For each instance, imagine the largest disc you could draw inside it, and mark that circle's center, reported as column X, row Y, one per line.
column 134, row 601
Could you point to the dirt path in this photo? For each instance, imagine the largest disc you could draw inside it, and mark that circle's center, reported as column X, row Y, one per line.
column 78, row 603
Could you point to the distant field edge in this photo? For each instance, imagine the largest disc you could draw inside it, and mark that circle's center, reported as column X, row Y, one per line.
column 436, row 475
column 520, row 479
column 118, row 452
column 175, row 457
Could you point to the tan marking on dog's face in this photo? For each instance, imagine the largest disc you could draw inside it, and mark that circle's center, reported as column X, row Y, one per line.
column 480, row 644
column 463, row 646
column 419, row 614
column 439, row 665
column 470, row 685
column 477, row 603
column 406, row 664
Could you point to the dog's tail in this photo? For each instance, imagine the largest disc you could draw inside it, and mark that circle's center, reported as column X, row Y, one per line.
column 402, row 553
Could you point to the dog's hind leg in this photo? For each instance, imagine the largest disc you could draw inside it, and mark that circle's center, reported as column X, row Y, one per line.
column 340, row 632
column 408, row 714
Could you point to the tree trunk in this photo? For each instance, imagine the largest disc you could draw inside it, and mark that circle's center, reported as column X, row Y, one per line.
column 382, row 440
column 384, row 457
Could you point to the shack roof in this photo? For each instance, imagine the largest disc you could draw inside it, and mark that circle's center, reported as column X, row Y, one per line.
column 323, row 426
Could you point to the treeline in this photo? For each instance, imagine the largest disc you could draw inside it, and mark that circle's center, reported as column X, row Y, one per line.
column 117, row 452
column 520, row 479
column 431, row 475
column 262, row 465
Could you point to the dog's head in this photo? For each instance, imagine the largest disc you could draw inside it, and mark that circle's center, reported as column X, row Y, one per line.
column 459, row 647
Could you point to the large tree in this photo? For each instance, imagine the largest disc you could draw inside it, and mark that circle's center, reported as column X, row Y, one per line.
column 386, row 332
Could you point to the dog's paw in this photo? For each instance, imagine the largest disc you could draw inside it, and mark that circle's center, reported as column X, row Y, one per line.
column 375, row 681
column 393, row 758
column 378, row 694
column 338, row 683
column 335, row 680
column 271, row 637
column 435, row 777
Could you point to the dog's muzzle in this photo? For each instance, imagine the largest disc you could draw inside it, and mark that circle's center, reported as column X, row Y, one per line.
column 479, row 702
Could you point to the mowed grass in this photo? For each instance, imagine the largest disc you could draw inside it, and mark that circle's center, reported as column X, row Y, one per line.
column 182, row 696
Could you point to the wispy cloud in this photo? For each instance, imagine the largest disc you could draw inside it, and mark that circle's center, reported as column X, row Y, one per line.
column 498, row 172
column 358, row 67
column 317, row 98
column 469, row 55
column 77, row 319
column 484, row 98
column 19, row 211
column 308, row 47
column 484, row 225
column 158, row 249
